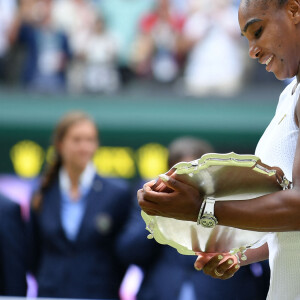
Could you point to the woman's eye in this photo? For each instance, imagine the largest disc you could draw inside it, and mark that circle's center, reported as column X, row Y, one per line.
column 258, row 32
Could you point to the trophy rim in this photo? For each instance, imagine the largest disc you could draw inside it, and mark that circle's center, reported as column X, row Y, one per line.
column 274, row 176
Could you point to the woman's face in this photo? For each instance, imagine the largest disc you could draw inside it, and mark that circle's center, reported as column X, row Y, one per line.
column 79, row 145
column 272, row 37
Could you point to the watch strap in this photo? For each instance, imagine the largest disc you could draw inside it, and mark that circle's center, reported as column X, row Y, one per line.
column 206, row 216
column 209, row 206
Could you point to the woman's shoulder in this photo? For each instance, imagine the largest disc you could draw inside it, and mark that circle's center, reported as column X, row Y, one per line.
column 287, row 93
column 8, row 206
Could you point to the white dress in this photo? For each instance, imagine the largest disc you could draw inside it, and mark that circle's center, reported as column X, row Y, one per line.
column 277, row 147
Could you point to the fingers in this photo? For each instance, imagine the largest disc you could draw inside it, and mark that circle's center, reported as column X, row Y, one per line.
column 221, row 266
column 149, row 201
column 170, row 172
column 202, row 260
column 160, row 186
column 173, row 183
column 224, row 270
column 231, row 271
column 165, row 182
column 148, row 185
column 181, row 201
column 147, row 194
column 213, row 263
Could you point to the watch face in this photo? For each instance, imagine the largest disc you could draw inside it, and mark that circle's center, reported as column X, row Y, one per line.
column 208, row 221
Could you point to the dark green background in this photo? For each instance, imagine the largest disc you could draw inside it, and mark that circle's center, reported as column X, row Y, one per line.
column 230, row 124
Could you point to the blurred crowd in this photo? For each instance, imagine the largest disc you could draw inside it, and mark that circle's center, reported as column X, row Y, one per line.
column 101, row 46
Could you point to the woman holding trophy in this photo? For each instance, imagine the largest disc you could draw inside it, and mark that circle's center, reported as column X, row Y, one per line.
column 272, row 29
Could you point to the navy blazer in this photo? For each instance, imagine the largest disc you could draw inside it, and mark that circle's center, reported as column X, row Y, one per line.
column 12, row 250
column 87, row 267
column 165, row 270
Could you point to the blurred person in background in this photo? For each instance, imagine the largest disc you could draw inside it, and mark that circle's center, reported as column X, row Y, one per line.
column 7, row 13
column 212, row 40
column 100, row 73
column 157, row 47
column 122, row 18
column 12, row 250
column 47, row 50
column 76, row 217
column 180, row 7
column 170, row 275
column 77, row 18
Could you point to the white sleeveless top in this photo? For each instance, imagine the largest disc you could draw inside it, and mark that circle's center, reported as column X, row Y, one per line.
column 277, row 147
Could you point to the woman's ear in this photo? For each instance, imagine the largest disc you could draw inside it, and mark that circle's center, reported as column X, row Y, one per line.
column 293, row 7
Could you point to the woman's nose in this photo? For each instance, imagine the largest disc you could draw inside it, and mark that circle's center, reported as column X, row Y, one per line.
column 254, row 51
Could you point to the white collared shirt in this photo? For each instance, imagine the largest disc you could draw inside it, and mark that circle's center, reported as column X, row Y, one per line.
column 72, row 211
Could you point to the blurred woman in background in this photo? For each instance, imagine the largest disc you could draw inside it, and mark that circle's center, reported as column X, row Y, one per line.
column 76, row 217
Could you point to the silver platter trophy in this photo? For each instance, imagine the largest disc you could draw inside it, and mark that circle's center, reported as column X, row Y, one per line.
column 223, row 177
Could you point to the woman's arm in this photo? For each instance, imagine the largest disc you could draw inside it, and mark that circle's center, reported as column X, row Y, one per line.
column 276, row 212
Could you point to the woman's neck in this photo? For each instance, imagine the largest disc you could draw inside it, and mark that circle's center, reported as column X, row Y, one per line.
column 74, row 176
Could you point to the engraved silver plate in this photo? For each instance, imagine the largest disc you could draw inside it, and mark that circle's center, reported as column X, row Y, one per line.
column 223, row 177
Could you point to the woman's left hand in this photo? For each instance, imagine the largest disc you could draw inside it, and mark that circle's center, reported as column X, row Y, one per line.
column 217, row 265
column 182, row 203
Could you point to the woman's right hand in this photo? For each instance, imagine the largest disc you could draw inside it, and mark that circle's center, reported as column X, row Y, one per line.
column 217, row 265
